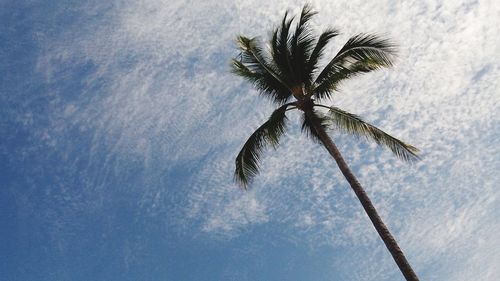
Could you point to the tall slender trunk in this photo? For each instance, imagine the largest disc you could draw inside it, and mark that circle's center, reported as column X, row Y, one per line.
column 370, row 210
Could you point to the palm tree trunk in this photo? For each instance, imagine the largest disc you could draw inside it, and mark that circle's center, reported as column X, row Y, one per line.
column 370, row 210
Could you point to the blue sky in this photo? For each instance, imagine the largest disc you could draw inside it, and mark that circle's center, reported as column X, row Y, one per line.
column 120, row 121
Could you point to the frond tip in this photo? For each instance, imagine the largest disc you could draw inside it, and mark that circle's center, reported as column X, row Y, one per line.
column 247, row 161
column 353, row 124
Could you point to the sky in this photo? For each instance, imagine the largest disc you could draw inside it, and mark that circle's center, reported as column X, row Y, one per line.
column 120, row 122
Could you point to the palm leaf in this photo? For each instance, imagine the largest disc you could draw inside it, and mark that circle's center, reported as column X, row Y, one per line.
column 247, row 161
column 255, row 67
column 329, row 86
column 309, row 119
column 362, row 53
column 353, row 124
column 302, row 44
column 280, row 49
column 317, row 52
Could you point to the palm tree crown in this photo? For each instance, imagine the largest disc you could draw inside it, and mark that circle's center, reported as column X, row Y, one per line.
column 290, row 71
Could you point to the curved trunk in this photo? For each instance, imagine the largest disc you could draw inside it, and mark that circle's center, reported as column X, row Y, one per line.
column 379, row 225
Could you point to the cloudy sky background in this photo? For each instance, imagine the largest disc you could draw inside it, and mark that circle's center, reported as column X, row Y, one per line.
column 120, row 121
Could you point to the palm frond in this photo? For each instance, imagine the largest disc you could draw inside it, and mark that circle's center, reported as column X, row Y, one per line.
column 302, row 44
column 256, row 68
column 309, row 119
column 362, row 53
column 353, row 124
column 280, row 49
column 328, row 87
column 247, row 161
column 317, row 52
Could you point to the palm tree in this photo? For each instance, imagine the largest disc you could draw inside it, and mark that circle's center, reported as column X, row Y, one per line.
column 290, row 71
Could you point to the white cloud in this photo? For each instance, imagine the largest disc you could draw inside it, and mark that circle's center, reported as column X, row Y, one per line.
column 164, row 92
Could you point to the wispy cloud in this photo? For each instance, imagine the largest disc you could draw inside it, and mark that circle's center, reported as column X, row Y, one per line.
column 157, row 95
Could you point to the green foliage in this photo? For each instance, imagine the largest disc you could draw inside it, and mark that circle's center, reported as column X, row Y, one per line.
column 317, row 53
column 362, row 53
column 247, row 161
column 302, row 44
column 257, row 69
column 290, row 68
column 308, row 119
column 280, row 50
column 353, row 124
